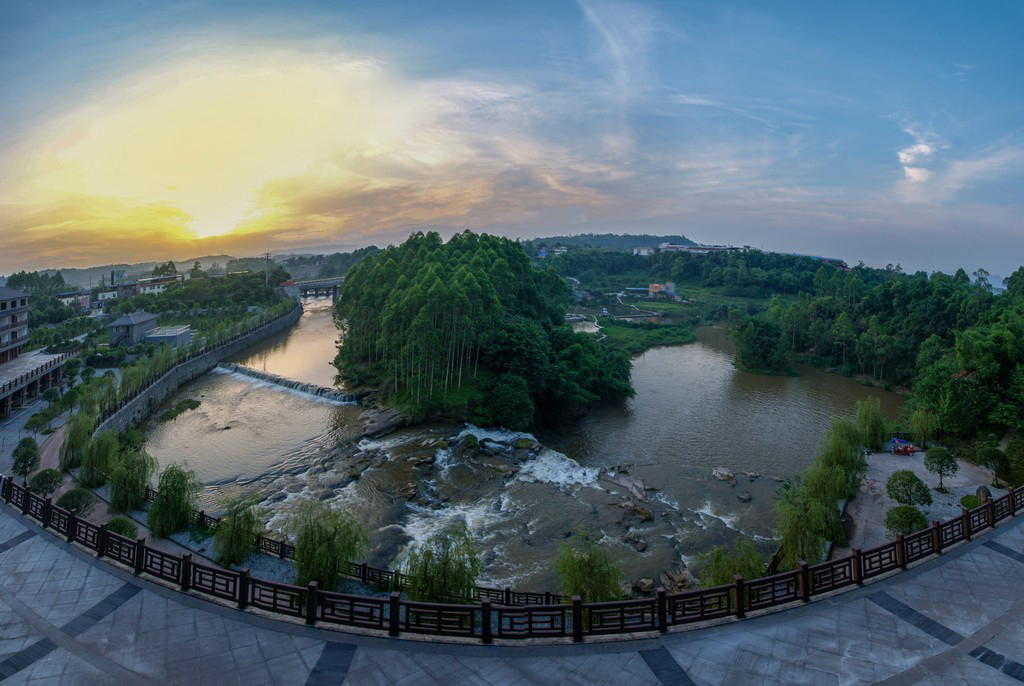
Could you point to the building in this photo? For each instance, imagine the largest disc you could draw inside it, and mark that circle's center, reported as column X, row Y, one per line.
column 132, row 328
column 173, row 336
column 560, row 250
column 158, row 284
column 22, row 377
column 13, row 323
column 667, row 288
column 644, row 252
column 78, row 300
column 107, row 294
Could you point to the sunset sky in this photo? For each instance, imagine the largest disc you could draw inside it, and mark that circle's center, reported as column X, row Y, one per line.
column 878, row 131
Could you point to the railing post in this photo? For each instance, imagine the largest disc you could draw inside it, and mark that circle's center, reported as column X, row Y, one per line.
column 362, row 572
column 24, row 500
column 47, row 512
column 965, row 522
column 738, row 600
column 140, row 555
column 243, row 588
column 990, row 511
column 936, row 537
column 577, row 619
column 393, row 616
column 311, row 603
column 101, row 540
column 662, row 597
column 72, row 525
column 805, row 582
column 901, row 551
column 547, row 597
column 1011, row 503
column 508, row 596
column 856, row 564
column 485, row 621
column 186, row 571
column 6, row 490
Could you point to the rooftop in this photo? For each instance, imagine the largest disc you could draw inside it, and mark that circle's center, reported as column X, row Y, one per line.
column 23, row 364
column 134, row 319
column 10, row 293
column 168, row 330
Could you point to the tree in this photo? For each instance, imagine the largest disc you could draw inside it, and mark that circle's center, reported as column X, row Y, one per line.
column 444, row 569
column 47, row 481
column 71, row 368
column 51, row 395
column 77, row 501
column 129, row 477
column 76, row 440
column 25, row 458
column 719, row 566
column 325, row 539
column 923, row 425
column 166, row 269
column 906, row 488
column 173, row 509
column 509, row 404
column 236, row 533
column 99, row 459
column 942, row 462
column 904, row 519
column 87, row 373
column 584, row 568
column 871, row 422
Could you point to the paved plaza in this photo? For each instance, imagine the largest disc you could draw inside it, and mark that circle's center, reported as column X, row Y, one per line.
column 67, row 618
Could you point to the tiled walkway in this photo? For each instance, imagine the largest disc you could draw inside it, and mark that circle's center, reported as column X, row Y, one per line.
column 66, row 618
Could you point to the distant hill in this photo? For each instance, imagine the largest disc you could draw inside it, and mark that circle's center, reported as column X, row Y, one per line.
column 610, row 241
column 91, row 276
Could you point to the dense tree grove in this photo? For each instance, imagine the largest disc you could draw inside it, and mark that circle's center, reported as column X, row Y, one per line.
column 468, row 328
column 339, row 263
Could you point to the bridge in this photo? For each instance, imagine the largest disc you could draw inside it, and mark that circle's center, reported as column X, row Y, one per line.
column 330, row 286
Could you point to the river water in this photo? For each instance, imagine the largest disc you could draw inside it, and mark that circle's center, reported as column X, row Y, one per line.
column 693, row 412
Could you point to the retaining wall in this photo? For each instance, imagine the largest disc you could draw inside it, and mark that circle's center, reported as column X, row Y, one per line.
column 142, row 405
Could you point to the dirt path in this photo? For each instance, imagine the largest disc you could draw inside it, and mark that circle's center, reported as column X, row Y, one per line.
column 49, row 451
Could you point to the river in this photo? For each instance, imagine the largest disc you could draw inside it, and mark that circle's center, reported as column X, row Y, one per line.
column 693, row 412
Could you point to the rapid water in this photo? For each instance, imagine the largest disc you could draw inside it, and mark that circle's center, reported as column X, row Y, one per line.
column 693, row 411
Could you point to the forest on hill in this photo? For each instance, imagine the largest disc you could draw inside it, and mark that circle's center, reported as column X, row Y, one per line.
column 620, row 242
column 470, row 329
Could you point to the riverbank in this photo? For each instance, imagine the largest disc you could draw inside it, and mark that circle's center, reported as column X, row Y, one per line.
column 638, row 336
column 865, row 512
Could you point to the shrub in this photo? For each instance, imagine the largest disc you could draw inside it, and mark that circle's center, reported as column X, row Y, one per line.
column 99, row 459
column 78, row 501
column 46, row 482
column 724, row 562
column 129, row 477
column 124, row 527
column 584, row 568
column 940, row 461
column 25, row 458
column 325, row 539
column 871, row 422
column 969, row 501
column 1015, row 461
column 236, row 533
column 906, row 488
column 904, row 519
column 443, row 569
column 175, row 501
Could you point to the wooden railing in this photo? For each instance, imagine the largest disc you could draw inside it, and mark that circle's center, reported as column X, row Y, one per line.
column 494, row 615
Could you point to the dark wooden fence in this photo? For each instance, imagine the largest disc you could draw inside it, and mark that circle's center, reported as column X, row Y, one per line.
column 494, row 615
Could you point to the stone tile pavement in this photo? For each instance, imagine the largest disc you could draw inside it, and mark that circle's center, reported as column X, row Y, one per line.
column 66, row 618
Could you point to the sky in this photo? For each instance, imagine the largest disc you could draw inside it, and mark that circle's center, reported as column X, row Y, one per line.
column 134, row 130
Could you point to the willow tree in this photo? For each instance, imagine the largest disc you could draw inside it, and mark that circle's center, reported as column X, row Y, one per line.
column 584, row 568
column 99, row 459
column 237, row 531
column 129, row 478
column 871, row 423
column 443, row 569
column 325, row 539
column 175, row 502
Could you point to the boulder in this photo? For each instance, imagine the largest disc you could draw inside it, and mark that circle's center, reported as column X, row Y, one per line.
column 983, row 495
column 722, row 474
column 645, row 585
column 744, row 497
column 635, row 541
column 678, row 579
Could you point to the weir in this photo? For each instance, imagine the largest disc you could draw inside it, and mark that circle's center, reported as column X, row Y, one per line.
column 300, row 386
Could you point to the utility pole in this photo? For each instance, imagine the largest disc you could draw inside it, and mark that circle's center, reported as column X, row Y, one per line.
column 266, row 272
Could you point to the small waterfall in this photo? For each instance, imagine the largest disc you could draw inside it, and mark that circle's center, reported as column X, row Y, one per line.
column 301, row 387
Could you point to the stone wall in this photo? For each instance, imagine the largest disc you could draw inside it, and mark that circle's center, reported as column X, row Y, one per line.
column 148, row 400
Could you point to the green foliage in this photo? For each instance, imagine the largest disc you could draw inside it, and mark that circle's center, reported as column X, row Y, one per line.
column 182, row 406
column 129, row 478
column 723, row 562
column 444, row 569
column 174, row 506
column 508, row 403
column 123, row 527
column 969, row 501
column 871, row 423
column 1015, row 461
column 339, row 263
column 25, row 458
column 425, row 320
column 584, row 568
column 904, row 519
column 78, row 501
column 51, row 395
column 906, row 488
column 46, row 482
column 325, row 539
column 166, row 269
column 942, row 462
column 99, row 459
column 760, row 347
column 923, row 425
column 76, row 440
column 236, row 533
column 636, row 337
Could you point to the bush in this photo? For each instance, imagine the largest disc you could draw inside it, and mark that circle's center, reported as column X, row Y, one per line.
column 99, row 459
column 173, row 508
column 128, row 480
column 940, row 461
column 906, row 488
column 969, row 501
column 46, row 482
column 124, row 527
column 724, row 562
column 904, row 519
column 25, row 458
column 871, row 423
column 444, row 569
column 236, row 533
column 584, row 568
column 78, row 501
column 325, row 539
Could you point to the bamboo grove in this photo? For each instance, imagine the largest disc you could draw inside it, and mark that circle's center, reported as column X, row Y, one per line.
column 470, row 329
